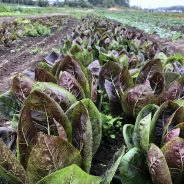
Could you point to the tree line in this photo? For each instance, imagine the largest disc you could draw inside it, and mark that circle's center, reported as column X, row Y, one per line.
column 41, row 3
column 72, row 3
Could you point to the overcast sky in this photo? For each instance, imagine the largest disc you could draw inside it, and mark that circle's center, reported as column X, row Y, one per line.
column 156, row 3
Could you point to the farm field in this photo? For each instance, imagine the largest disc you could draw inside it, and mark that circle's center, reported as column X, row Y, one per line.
column 166, row 25
column 92, row 98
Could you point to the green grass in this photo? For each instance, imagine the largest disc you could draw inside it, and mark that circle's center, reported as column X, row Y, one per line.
column 36, row 29
column 15, row 10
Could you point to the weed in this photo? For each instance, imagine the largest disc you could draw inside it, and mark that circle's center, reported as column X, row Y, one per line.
column 36, row 50
column 36, row 29
column 111, row 126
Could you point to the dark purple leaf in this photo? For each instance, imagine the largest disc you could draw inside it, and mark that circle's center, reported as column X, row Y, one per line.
column 43, row 75
column 157, row 83
column 158, row 166
column 149, row 69
column 67, row 81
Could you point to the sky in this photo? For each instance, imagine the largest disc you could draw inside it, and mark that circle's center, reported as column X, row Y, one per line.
column 156, row 3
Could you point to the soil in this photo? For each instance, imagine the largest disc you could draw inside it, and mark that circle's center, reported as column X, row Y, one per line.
column 11, row 19
column 19, row 55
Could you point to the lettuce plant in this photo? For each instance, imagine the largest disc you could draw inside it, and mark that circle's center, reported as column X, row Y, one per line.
column 154, row 145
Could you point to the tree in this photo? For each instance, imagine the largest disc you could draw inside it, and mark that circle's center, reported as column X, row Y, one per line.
column 122, row 2
column 108, row 3
column 96, row 2
column 42, row 3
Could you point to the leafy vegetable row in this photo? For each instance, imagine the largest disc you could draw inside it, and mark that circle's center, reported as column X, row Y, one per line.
column 57, row 114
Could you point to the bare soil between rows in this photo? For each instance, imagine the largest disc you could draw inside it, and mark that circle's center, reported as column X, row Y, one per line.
column 19, row 56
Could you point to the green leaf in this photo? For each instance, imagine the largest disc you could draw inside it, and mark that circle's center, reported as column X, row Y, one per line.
column 104, row 57
column 63, row 97
column 81, row 133
column 158, row 166
column 9, row 105
column 170, row 77
column 127, row 135
column 10, row 168
column 179, row 102
column 68, row 175
column 84, row 57
column 163, row 57
column 112, row 166
column 44, row 65
column 96, row 122
column 141, row 134
column 8, row 178
column 132, row 168
column 50, row 154
column 40, row 114
column 15, row 121
column 142, row 128
column 123, row 60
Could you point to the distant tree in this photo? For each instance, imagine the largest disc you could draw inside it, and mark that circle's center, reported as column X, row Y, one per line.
column 31, row 2
column 26, row 2
column 42, row 3
column 122, row 2
column 108, row 3
column 96, row 2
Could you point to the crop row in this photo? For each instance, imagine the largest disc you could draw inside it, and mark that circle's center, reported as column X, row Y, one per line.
column 12, row 31
column 168, row 26
column 60, row 113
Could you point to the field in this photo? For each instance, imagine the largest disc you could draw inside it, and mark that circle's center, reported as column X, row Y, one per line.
column 91, row 96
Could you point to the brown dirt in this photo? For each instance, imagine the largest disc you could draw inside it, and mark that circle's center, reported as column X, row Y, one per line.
column 11, row 19
column 19, row 56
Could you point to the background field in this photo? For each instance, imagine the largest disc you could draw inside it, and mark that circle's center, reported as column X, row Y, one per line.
column 166, row 25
